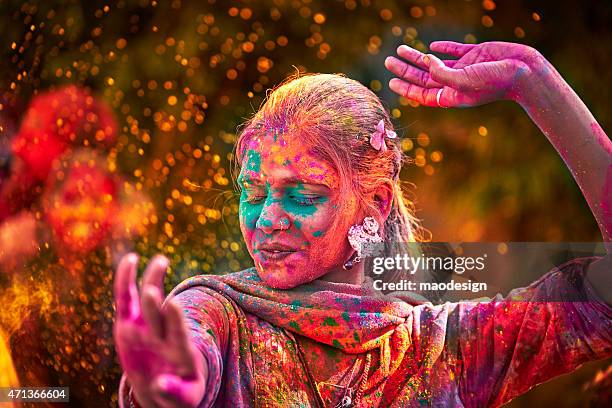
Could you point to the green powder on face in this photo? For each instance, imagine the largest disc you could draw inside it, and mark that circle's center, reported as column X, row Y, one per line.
column 266, row 223
column 253, row 161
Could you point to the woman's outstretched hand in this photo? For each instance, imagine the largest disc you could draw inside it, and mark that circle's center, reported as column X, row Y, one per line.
column 492, row 71
column 162, row 365
column 482, row 73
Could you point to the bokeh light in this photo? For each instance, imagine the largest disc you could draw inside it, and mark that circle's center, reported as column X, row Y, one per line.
column 117, row 125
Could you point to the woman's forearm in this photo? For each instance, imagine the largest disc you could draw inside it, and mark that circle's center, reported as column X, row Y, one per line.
column 573, row 131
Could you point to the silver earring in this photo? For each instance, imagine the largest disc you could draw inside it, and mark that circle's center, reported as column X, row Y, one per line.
column 358, row 236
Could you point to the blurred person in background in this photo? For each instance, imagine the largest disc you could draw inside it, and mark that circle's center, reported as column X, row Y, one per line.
column 65, row 213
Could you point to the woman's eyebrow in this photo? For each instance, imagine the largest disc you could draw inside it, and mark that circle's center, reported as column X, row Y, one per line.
column 246, row 180
column 303, row 181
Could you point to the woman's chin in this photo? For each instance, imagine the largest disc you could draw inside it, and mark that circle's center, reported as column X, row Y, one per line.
column 285, row 276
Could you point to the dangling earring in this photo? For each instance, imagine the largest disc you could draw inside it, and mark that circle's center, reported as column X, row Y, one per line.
column 360, row 234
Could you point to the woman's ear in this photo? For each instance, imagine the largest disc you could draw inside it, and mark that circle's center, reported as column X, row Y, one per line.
column 383, row 196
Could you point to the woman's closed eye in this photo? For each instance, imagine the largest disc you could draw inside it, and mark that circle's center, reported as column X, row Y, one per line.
column 299, row 199
column 306, row 200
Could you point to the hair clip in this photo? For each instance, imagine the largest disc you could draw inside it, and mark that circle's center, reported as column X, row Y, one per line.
column 377, row 139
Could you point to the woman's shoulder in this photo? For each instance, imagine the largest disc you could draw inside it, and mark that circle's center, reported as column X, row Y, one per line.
column 577, row 264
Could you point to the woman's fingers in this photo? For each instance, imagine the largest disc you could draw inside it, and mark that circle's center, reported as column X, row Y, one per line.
column 451, row 48
column 187, row 385
column 411, row 55
column 418, row 73
column 424, row 96
column 152, row 290
column 152, row 300
column 456, row 78
column 479, row 78
column 176, row 334
column 126, row 291
column 424, row 87
column 155, row 272
column 410, row 73
column 447, row 98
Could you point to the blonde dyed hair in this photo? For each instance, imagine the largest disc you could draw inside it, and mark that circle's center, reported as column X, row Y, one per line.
column 336, row 116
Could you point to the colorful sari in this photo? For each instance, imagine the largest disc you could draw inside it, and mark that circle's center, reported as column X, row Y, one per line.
column 321, row 342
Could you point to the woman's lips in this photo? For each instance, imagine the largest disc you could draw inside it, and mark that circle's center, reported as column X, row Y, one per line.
column 274, row 252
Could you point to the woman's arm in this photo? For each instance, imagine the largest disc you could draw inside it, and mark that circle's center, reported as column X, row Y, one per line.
column 586, row 149
column 504, row 71
column 573, row 131
column 506, row 346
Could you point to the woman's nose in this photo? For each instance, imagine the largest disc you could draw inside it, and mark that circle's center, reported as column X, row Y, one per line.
column 273, row 217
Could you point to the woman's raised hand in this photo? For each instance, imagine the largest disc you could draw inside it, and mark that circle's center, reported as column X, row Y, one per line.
column 482, row 73
column 162, row 365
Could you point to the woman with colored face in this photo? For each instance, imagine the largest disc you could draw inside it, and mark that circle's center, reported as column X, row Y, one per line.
column 319, row 180
column 288, row 201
